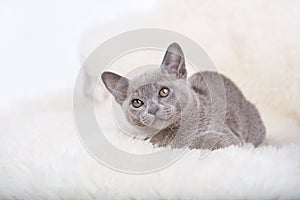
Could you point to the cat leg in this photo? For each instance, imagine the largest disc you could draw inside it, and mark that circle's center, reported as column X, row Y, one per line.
column 215, row 139
column 228, row 138
column 162, row 139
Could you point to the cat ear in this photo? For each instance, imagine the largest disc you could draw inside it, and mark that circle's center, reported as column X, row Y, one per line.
column 116, row 85
column 174, row 62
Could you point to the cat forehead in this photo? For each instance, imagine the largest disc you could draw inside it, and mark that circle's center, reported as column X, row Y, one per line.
column 149, row 79
column 146, row 90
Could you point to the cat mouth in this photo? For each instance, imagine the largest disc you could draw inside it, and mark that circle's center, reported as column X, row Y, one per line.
column 154, row 121
column 159, row 122
column 165, row 117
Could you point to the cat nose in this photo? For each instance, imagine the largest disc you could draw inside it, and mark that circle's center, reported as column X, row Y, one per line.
column 153, row 109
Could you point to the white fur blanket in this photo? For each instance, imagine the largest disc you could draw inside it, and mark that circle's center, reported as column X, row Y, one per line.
column 41, row 158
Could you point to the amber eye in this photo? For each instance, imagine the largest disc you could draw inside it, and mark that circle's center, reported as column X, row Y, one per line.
column 137, row 103
column 164, row 92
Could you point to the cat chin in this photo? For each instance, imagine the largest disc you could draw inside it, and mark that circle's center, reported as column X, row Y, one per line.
column 163, row 117
column 155, row 124
column 158, row 124
column 154, row 120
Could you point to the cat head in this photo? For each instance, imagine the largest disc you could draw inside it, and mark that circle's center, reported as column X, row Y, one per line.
column 154, row 99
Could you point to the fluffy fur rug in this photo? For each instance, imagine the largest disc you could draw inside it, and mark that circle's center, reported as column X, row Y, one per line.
column 41, row 158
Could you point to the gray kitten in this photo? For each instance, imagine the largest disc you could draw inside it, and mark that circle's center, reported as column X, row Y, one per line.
column 173, row 111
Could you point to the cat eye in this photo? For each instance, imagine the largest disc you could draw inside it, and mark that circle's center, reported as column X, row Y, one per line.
column 137, row 103
column 164, row 92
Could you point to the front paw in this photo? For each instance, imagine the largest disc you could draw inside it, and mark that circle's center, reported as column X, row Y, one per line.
column 213, row 140
column 161, row 139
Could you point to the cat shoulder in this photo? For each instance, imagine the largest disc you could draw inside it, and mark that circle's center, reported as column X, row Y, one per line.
column 198, row 82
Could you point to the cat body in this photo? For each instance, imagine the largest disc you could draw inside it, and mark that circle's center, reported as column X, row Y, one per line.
column 172, row 110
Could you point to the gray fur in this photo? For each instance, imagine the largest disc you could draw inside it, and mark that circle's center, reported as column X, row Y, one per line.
column 184, row 117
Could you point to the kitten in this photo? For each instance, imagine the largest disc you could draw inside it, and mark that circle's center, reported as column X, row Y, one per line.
column 172, row 110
